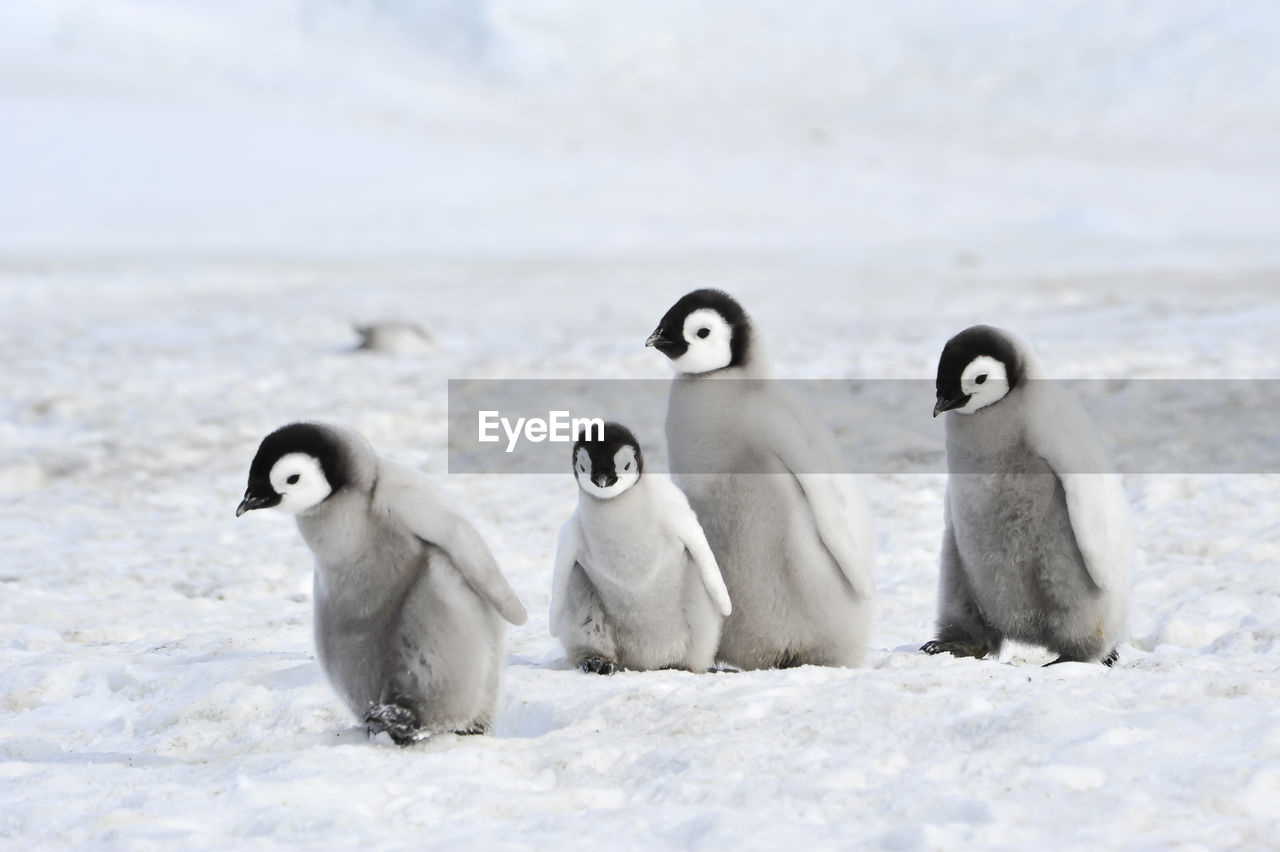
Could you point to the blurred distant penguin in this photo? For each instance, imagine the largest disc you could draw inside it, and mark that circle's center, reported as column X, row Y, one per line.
column 636, row 585
column 1036, row 545
column 792, row 537
column 409, row 603
column 396, row 337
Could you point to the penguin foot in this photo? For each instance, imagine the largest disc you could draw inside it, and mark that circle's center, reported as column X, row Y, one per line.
column 789, row 660
column 598, row 665
column 955, row 649
column 1109, row 660
column 400, row 723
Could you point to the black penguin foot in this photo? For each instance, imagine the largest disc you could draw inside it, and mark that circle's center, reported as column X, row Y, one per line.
column 1109, row 660
column 789, row 660
column 598, row 665
column 400, row 723
column 955, row 649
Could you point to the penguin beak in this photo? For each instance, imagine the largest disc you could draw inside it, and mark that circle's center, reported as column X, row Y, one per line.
column 948, row 404
column 256, row 501
column 659, row 340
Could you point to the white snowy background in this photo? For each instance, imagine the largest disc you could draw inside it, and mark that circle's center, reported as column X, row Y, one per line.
column 197, row 199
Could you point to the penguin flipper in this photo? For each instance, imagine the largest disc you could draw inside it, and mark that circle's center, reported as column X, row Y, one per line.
column 806, row 448
column 1062, row 433
column 411, row 498
column 567, row 550
column 687, row 529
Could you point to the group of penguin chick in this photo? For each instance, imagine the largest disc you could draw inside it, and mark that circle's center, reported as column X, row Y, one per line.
column 760, row 558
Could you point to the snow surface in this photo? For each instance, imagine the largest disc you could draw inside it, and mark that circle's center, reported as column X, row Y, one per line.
column 197, row 200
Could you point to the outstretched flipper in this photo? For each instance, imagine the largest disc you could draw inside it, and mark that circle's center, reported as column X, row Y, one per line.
column 807, row 449
column 415, row 502
column 567, row 548
column 1099, row 511
column 690, row 533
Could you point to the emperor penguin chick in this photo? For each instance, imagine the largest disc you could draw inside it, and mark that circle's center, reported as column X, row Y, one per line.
column 410, row 607
column 635, row 584
column 791, row 534
column 1036, row 542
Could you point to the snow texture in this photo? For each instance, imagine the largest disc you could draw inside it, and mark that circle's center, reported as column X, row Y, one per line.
column 197, row 201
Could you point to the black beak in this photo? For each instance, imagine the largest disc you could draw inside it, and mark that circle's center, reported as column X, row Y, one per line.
column 948, row 404
column 256, row 501
column 659, row 340
column 604, row 481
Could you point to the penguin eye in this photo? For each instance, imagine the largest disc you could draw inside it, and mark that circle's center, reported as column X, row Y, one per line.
column 703, row 332
column 582, row 469
column 293, row 480
column 980, row 379
column 628, row 467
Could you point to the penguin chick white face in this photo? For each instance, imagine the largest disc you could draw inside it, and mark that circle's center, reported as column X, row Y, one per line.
column 300, row 481
column 296, row 468
column 706, row 330
column 606, row 468
column 978, row 368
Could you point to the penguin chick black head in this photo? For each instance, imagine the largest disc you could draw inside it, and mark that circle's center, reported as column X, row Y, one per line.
column 706, row 330
column 978, row 367
column 297, row 467
column 607, row 467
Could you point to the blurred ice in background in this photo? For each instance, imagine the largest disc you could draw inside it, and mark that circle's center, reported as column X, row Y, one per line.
column 935, row 133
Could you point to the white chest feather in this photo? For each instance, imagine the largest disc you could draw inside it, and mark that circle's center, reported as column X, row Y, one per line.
column 625, row 543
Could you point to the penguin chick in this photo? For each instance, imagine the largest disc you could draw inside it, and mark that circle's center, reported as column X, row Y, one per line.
column 397, row 337
column 409, row 603
column 792, row 537
column 635, row 585
column 1036, row 540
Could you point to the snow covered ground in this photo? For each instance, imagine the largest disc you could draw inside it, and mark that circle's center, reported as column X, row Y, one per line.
column 196, row 201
